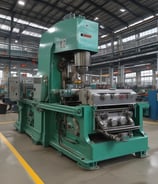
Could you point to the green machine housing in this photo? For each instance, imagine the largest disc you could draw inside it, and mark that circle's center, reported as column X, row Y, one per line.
column 88, row 125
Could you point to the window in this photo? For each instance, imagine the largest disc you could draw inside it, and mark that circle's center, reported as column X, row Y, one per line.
column 146, row 77
column 131, row 81
column 108, row 44
column 148, row 32
column 129, row 75
column 129, row 38
column 145, row 81
column 1, row 76
column 115, row 42
column 102, row 46
column 146, row 73
column 130, row 78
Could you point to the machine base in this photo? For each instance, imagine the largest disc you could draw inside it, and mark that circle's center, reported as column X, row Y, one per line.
column 137, row 146
column 74, row 139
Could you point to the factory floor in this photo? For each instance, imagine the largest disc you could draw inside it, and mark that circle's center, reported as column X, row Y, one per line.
column 23, row 162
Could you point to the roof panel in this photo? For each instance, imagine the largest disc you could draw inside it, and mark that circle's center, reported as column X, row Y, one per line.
column 47, row 12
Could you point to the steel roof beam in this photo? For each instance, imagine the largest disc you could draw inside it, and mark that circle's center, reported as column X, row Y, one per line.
column 21, row 14
column 108, row 12
column 146, row 9
column 47, row 13
column 52, row 5
column 87, row 14
column 25, row 26
column 79, row 6
column 125, row 7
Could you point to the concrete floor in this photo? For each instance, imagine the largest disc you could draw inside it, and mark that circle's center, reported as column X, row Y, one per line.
column 53, row 168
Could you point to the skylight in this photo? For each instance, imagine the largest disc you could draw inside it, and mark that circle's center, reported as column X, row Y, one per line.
column 20, row 21
column 16, row 30
column 37, row 26
column 7, row 28
column 4, row 27
column 30, row 33
column 5, row 17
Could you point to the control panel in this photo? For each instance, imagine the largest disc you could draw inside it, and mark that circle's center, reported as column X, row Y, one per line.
column 40, row 87
column 14, row 88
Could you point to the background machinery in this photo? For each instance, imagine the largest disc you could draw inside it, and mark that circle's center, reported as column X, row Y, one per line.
column 88, row 125
column 153, row 104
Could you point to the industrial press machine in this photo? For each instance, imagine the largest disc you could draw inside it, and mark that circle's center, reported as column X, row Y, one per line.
column 62, row 111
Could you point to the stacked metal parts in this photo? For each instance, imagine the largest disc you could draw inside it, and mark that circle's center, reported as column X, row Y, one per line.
column 88, row 125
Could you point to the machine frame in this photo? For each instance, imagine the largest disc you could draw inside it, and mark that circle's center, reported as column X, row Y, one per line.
column 49, row 119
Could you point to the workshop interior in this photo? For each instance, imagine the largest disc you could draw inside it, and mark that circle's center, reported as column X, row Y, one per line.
column 78, row 91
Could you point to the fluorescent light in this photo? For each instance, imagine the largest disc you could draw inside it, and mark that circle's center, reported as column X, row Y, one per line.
column 140, row 21
column 103, row 36
column 122, row 10
column 21, row 3
column 141, row 65
column 16, row 41
column 102, row 27
column 120, row 29
column 147, row 18
column 96, row 18
column 12, row 72
column 135, row 23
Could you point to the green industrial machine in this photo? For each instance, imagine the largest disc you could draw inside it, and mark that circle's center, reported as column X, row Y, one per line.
column 88, row 125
